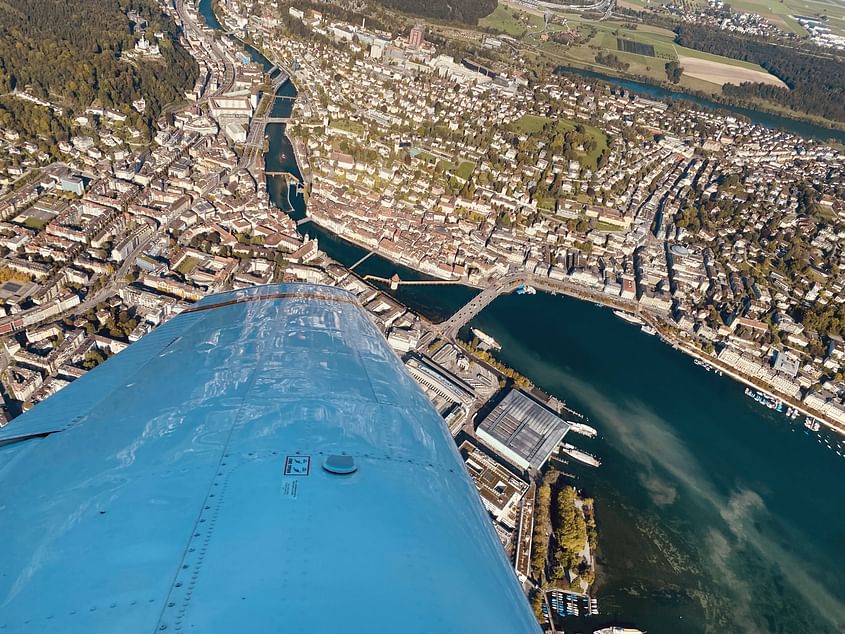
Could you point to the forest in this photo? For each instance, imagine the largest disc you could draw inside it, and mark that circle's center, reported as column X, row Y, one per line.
column 466, row 11
column 816, row 81
column 72, row 55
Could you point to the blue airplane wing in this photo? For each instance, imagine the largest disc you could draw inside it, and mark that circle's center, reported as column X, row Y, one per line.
column 198, row 481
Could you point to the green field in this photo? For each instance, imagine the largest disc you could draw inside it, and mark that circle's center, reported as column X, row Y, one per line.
column 529, row 124
column 532, row 124
column 502, row 20
column 425, row 156
column 35, row 223
column 348, row 126
column 777, row 12
column 527, row 25
column 187, row 265
column 463, row 171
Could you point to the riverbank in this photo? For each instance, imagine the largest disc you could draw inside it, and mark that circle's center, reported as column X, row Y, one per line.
column 334, row 228
column 757, row 385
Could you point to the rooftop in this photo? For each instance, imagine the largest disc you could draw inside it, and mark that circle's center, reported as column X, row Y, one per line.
column 524, row 430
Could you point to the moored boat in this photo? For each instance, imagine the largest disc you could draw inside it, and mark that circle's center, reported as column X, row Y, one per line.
column 580, row 456
column 487, row 342
column 584, row 430
column 630, row 318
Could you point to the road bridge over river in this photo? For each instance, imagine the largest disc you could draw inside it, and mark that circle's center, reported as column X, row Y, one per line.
column 449, row 329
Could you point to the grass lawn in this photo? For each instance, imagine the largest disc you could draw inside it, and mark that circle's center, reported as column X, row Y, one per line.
column 531, row 124
column 187, row 265
column 606, row 226
column 502, row 20
column 465, row 170
column 35, row 223
column 354, row 127
column 426, row 156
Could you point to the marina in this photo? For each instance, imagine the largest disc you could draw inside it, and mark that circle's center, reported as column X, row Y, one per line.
column 708, row 367
column 565, row 604
column 764, row 399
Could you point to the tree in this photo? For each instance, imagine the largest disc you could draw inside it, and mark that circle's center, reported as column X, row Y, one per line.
column 674, row 71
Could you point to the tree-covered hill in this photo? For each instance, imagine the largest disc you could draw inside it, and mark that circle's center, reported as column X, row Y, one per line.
column 74, row 54
column 467, row 11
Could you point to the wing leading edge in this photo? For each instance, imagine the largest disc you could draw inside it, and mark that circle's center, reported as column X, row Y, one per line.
column 180, row 486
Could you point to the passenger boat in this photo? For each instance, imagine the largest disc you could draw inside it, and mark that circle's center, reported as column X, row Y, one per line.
column 631, row 319
column 584, row 430
column 580, row 456
column 487, row 342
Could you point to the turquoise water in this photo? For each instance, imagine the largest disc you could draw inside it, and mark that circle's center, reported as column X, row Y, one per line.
column 715, row 515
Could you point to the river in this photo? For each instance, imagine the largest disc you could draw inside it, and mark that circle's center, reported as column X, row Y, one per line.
column 714, row 514
column 767, row 120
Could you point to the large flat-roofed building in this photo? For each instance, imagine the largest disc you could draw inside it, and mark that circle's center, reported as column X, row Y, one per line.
column 522, row 430
column 500, row 489
column 439, row 383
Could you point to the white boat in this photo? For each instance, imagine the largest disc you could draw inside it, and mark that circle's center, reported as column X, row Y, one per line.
column 631, row 319
column 648, row 330
column 812, row 424
column 584, row 430
column 580, row 456
column 486, row 340
column 525, row 289
column 618, row 630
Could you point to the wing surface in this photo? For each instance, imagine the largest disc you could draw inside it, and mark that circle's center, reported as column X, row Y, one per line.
column 180, row 487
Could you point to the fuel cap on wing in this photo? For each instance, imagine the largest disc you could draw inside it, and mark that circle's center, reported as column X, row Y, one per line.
column 340, row 464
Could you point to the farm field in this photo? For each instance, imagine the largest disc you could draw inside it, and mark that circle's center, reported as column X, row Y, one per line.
column 720, row 73
column 644, row 48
